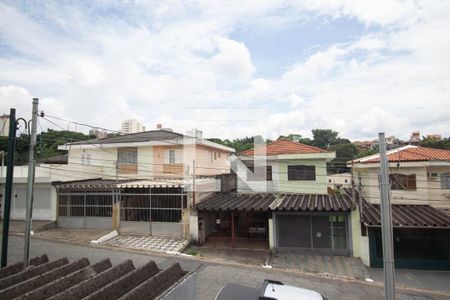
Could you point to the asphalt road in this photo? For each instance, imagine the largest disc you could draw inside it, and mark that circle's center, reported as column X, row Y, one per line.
column 212, row 276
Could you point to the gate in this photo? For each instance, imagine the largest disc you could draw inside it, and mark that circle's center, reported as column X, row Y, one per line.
column 153, row 211
column 85, row 209
column 236, row 229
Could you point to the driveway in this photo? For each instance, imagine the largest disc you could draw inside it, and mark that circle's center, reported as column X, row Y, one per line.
column 212, row 276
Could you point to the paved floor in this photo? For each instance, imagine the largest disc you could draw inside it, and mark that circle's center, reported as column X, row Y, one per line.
column 149, row 243
column 18, row 226
column 336, row 265
column 78, row 235
column 417, row 278
column 240, row 256
column 212, row 276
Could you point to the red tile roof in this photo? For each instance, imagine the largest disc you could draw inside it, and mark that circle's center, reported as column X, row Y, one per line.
column 409, row 154
column 284, row 147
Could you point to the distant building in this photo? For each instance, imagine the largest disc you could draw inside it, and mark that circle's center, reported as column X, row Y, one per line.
column 338, row 181
column 415, row 138
column 436, row 137
column 98, row 133
column 132, row 126
column 4, row 125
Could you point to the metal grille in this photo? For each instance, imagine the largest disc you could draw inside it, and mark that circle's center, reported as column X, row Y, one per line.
column 85, row 204
column 152, row 204
column 294, row 231
column 236, row 229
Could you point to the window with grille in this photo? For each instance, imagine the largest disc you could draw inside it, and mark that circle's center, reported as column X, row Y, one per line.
column 127, row 160
column 445, row 181
column 403, row 182
column 301, row 172
column 171, row 157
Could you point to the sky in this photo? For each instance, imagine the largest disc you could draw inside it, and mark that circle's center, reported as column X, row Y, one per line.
column 231, row 68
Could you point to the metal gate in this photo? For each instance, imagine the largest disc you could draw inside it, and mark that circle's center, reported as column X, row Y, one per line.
column 153, row 211
column 85, row 209
column 236, row 229
column 315, row 234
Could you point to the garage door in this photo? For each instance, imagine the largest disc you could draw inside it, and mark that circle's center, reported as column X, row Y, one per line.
column 325, row 234
column 42, row 203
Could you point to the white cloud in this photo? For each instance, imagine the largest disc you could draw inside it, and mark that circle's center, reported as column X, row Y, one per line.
column 157, row 61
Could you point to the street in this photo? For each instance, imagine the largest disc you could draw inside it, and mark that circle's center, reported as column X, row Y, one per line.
column 212, row 276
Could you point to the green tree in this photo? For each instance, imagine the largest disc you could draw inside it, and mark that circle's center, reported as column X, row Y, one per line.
column 324, row 138
column 434, row 143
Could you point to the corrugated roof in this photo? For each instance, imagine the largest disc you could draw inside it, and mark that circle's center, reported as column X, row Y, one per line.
column 61, row 279
column 146, row 136
column 408, row 154
column 57, row 159
column 283, row 146
column 407, row 216
column 265, row 202
column 90, row 183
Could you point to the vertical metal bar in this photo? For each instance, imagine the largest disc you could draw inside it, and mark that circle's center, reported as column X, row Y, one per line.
column 332, row 234
column 233, row 234
column 30, row 185
column 386, row 222
column 311, row 231
column 8, row 185
column 150, row 210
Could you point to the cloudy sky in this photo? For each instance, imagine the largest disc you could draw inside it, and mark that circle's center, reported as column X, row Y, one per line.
column 232, row 68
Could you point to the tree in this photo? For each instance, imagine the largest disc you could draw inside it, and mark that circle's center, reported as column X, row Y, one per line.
column 296, row 138
column 434, row 143
column 324, row 138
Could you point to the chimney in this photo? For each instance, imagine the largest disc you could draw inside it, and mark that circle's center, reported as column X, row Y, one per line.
column 159, row 126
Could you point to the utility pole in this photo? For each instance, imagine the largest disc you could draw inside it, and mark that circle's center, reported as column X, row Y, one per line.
column 193, row 182
column 360, row 200
column 30, row 185
column 386, row 222
column 8, row 185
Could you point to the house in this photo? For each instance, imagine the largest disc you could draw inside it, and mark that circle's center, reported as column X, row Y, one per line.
column 420, row 198
column 139, row 183
column 340, row 180
column 44, row 202
column 283, row 207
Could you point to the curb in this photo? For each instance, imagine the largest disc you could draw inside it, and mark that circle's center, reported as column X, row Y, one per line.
column 222, row 262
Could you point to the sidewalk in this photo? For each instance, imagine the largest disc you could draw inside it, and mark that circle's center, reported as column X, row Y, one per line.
column 18, row 226
column 422, row 279
column 349, row 267
column 74, row 235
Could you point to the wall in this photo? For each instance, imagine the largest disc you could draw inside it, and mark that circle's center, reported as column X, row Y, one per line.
column 245, row 185
column 319, row 186
column 355, row 227
column 428, row 191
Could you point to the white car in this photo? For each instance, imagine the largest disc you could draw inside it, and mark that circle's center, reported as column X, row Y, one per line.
column 270, row 290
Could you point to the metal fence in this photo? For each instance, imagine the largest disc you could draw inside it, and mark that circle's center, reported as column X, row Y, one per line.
column 239, row 229
column 152, row 204
column 85, row 204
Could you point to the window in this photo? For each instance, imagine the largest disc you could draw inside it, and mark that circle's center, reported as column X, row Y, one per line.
column 83, row 158
column 88, row 159
column 300, row 172
column 251, row 176
column 445, row 181
column 127, row 160
column 269, row 173
column 212, row 156
column 403, row 182
column 215, row 155
column 219, row 154
column 171, row 157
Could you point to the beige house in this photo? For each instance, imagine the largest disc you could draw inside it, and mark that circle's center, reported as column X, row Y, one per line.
column 420, row 197
column 140, row 183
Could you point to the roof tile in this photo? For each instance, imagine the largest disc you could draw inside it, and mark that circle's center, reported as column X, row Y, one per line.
column 283, row 146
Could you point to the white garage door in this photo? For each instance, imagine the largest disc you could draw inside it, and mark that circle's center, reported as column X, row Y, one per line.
column 42, row 204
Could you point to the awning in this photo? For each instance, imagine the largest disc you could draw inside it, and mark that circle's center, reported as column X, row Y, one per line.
column 285, row 202
column 407, row 216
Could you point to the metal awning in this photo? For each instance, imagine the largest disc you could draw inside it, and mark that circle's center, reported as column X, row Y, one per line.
column 279, row 202
column 407, row 216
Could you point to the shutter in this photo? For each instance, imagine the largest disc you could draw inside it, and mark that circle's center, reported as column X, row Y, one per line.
column 411, row 182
